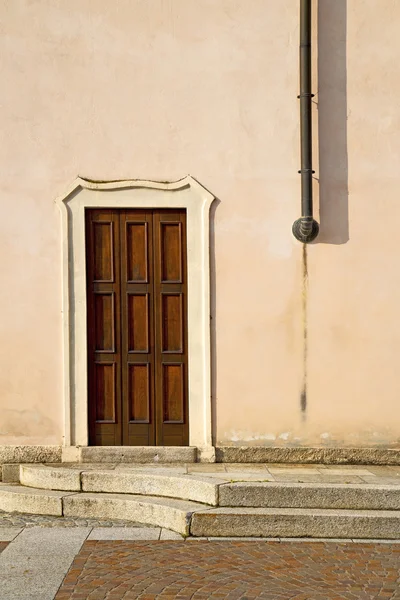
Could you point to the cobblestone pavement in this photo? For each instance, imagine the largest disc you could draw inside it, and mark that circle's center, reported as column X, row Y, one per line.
column 12, row 519
column 200, row 570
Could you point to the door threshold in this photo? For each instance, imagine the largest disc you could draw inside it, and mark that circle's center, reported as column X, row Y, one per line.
column 130, row 454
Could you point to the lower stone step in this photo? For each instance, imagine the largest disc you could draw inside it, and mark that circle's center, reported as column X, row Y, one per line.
column 296, row 523
column 162, row 512
column 17, row 498
column 310, row 495
column 197, row 519
column 150, row 510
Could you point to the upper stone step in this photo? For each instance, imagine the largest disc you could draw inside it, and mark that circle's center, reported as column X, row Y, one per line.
column 151, row 483
column 219, row 488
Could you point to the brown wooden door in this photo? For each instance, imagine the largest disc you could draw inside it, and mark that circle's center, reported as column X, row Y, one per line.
column 137, row 327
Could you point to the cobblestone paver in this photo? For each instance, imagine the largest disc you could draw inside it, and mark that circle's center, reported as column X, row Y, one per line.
column 232, row 570
column 13, row 519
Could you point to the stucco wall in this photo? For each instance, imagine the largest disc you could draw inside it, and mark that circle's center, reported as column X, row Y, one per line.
column 158, row 89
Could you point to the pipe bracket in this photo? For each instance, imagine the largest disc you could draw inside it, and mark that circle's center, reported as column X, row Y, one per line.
column 305, row 229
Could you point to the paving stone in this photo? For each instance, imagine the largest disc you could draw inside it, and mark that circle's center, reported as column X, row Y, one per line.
column 317, row 540
column 239, row 467
column 167, row 534
column 232, row 570
column 347, row 470
column 242, row 539
column 7, row 534
column 33, row 566
column 206, row 468
column 126, row 533
column 360, row 541
column 293, row 470
column 162, row 469
column 382, row 480
column 317, row 478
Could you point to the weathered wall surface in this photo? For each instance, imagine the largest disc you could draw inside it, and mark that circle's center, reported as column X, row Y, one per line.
column 158, row 89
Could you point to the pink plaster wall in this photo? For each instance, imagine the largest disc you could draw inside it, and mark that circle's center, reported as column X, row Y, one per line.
column 157, row 89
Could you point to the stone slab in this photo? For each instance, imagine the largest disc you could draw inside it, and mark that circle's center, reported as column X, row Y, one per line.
column 138, row 454
column 318, row 478
column 260, row 454
column 29, row 500
column 49, row 478
column 29, row 454
column 291, row 522
column 308, row 495
column 11, row 473
column 186, row 487
column 362, row 541
column 164, row 469
column 167, row 534
column 243, row 539
column 160, row 512
column 34, row 565
column 317, row 540
column 8, row 534
column 125, row 533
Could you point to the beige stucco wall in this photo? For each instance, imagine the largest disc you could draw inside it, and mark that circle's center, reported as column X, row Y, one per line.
column 156, row 89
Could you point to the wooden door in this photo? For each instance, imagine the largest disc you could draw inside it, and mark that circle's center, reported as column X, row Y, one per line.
column 137, row 327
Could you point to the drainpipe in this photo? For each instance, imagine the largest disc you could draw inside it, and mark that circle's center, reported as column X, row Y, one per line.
column 306, row 228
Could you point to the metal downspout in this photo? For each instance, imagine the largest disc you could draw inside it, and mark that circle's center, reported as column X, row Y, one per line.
column 306, row 228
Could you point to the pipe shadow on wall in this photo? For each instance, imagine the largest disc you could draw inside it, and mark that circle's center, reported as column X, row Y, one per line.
column 332, row 122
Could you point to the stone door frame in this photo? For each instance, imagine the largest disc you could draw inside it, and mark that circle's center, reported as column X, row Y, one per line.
column 186, row 193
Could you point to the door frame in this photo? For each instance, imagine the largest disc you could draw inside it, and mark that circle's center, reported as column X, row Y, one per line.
column 186, row 193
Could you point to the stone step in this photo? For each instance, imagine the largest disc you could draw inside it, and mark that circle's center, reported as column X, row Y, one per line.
column 216, row 490
column 150, row 483
column 161, row 512
column 295, row 523
column 310, row 495
column 186, row 517
column 131, row 454
column 17, row 498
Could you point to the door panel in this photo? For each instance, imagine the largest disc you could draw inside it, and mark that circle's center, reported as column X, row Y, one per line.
column 103, row 302
column 137, row 332
column 137, row 307
column 170, row 291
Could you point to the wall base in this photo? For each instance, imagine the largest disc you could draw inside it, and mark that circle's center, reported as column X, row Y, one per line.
column 302, row 455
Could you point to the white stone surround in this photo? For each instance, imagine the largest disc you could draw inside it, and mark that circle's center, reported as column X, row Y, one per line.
column 186, row 193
